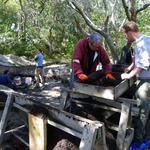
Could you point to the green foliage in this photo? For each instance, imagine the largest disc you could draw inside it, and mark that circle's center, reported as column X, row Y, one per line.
column 144, row 21
column 51, row 26
column 23, row 48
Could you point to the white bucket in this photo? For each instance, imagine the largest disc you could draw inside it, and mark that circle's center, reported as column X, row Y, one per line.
column 28, row 80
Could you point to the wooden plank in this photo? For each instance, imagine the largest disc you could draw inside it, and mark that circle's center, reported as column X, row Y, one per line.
column 109, row 92
column 122, row 87
column 128, row 139
column 125, row 111
column 63, row 102
column 94, row 90
column 127, row 100
column 65, row 129
column 20, row 138
column 37, row 133
column 101, row 106
column 6, row 111
column 15, row 129
column 99, row 99
column 20, row 107
column 93, row 137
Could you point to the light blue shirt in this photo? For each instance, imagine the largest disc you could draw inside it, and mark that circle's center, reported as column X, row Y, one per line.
column 39, row 59
column 142, row 56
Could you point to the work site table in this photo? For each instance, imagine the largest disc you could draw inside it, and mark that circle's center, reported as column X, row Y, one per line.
column 110, row 99
column 91, row 134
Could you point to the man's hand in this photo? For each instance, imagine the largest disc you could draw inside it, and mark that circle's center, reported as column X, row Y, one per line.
column 125, row 76
column 110, row 76
column 82, row 77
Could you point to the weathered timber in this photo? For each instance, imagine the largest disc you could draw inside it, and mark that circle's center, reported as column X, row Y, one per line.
column 4, row 119
column 20, row 138
column 109, row 92
column 91, row 133
column 19, row 70
column 50, row 70
column 37, row 133
column 124, row 118
column 110, row 95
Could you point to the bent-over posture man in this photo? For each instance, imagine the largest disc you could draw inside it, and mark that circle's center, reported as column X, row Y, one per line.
column 88, row 53
column 141, row 68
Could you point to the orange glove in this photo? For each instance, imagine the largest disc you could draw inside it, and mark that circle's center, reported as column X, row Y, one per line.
column 82, row 77
column 110, row 76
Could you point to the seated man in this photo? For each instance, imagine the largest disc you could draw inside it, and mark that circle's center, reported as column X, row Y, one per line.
column 88, row 53
column 5, row 78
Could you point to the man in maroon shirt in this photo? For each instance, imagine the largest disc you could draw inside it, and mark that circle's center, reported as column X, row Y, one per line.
column 88, row 53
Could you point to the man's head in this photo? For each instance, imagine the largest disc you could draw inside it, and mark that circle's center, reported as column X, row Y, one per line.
column 130, row 30
column 40, row 50
column 95, row 40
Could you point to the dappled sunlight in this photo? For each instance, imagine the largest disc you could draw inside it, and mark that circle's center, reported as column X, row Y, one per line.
column 5, row 89
column 108, row 94
column 9, row 60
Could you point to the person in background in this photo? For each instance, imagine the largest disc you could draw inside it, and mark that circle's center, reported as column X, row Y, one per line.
column 88, row 53
column 126, row 54
column 5, row 79
column 140, row 67
column 39, row 73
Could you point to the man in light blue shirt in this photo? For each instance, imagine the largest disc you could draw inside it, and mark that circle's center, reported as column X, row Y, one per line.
column 140, row 67
column 39, row 75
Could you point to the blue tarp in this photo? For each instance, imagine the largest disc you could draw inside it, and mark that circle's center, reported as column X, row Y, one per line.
column 140, row 145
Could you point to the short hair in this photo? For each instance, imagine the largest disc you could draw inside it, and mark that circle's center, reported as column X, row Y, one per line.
column 40, row 50
column 95, row 37
column 130, row 26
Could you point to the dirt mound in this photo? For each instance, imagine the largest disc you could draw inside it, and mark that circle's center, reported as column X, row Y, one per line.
column 65, row 144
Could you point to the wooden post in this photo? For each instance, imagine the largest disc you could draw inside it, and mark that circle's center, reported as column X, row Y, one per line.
column 37, row 133
column 124, row 117
column 4, row 118
column 63, row 102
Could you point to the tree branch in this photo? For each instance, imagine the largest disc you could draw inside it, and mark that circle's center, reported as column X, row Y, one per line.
column 126, row 9
column 107, row 16
column 143, row 8
column 86, row 18
column 42, row 5
column 5, row 1
column 79, row 26
column 97, row 29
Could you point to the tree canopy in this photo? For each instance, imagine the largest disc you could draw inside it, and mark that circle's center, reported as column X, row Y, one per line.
column 56, row 25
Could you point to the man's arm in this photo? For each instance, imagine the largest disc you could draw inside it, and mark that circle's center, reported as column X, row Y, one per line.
column 134, row 72
column 77, row 59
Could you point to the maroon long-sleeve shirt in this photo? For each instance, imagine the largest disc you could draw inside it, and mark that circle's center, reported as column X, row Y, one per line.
column 80, row 60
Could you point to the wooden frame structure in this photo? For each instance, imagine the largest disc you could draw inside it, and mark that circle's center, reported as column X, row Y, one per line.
column 110, row 97
column 91, row 133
